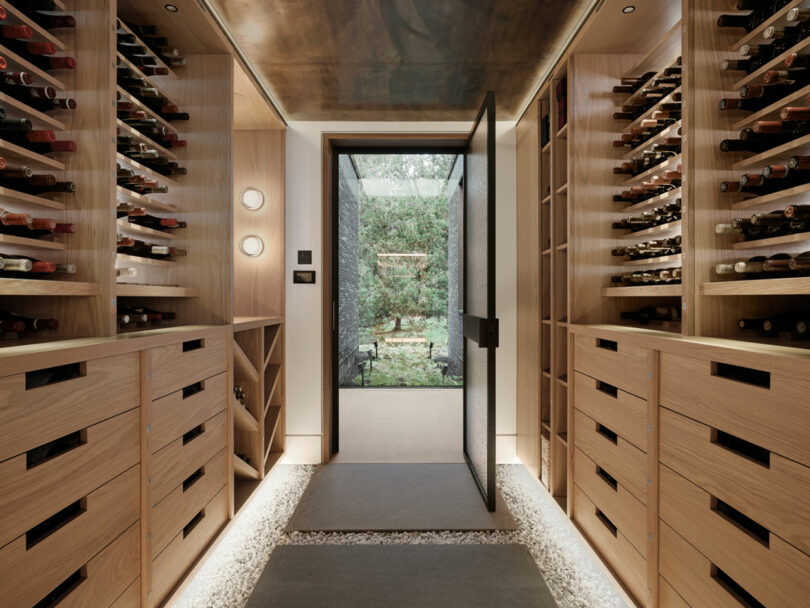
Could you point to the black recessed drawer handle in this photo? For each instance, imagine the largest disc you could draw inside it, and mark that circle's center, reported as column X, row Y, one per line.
column 193, row 478
column 54, row 375
column 193, row 433
column 190, row 345
column 608, row 389
column 606, row 522
column 193, row 389
column 53, row 449
column 56, row 521
column 187, row 529
column 606, row 432
column 742, row 521
column 607, row 344
column 741, row 447
column 734, row 589
column 738, row 373
column 63, row 589
column 607, row 478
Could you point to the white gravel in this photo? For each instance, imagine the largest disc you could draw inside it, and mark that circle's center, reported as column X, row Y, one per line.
column 572, row 574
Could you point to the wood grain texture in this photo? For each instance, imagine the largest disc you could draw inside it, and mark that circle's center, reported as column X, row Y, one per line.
column 774, row 496
column 172, row 369
column 627, row 367
column 669, row 598
column 528, row 289
column 251, row 111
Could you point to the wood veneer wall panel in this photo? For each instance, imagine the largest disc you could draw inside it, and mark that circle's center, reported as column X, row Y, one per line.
column 528, row 289
column 259, row 282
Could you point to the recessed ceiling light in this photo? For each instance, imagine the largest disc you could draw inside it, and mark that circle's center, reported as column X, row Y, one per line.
column 628, row 9
column 171, row 8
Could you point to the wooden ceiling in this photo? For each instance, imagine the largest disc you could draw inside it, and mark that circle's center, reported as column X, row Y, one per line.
column 399, row 59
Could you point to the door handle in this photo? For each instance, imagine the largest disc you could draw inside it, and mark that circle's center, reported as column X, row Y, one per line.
column 482, row 331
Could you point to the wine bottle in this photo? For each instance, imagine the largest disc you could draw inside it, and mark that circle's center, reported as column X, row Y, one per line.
column 138, row 248
column 126, row 273
column 49, row 21
column 653, row 313
column 28, row 323
column 153, row 222
column 736, row 65
column 742, row 21
column 38, row 227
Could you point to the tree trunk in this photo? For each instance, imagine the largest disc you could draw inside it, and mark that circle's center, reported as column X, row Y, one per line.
column 398, row 324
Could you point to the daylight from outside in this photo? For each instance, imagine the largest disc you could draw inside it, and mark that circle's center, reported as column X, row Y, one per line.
column 399, row 318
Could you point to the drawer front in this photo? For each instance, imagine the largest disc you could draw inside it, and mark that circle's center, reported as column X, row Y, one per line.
column 170, row 566
column 690, row 573
column 626, row 414
column 616, row 550
column 668, row 597
column 174, row 414
column 27, row 575
column 775, row 574
column 620, row 507
column 109, row 574
column 173, row 512
column 178, row 365
column 30, row 496
column 775, row 494
column 28, row 418
column 625, row 461
column 131, row 598
column 776, row 417
column 622, row 365
column 174, row 463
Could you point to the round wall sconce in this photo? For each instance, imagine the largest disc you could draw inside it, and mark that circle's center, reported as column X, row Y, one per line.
column 252, row 199
column 251, row 245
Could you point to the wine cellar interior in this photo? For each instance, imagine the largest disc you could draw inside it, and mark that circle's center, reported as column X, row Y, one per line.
column 169, row 325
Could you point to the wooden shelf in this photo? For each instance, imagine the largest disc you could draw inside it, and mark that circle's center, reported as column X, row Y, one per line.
column 654, row 201
column 659, row 168
column 243, row 362
column 629, row 99
column 654, row 231
column 273, row 386
column 563, row 189
column 797, row 194
column 562, row 247
column 545, row 426
column 126, row 96
column 134, row 164
column 546, row 373
column 786, row 239
column 563, row 437
column 562, row 132
column 642, row 291
column 274, row 415
column 6, row 194
column 270, row 348
column 546, row 322
column 270, row 460
column 243, row 419
column 651, row 61
column 546, row 251
column 144, row 201
column 149, row 79
column 649, row 111
column 17, row 109
column 243, row 469
column 158, row 61
column 655, row 139
column 136, row 259
column 756, row 33
column 19, row 241
column 18, row 64
column 135, row 290
column 144, row 231
column 46, row 287
column 24, row 156
column 771, row 112
column 664, row 259
column 547, row 148
column 563, row 380
column 14, row 17
column 758, row 287
column 797, row 147
column 140, row 137
column 779, row 60
column 546, row 200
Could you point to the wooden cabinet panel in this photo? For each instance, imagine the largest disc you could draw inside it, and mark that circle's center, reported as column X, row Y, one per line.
column 29, row 573
column 776, row 417
column 775, row 495
column 30, row 418
column 178, row 365
column 668, row 597
column 173, row 512
column 767, row 567
column 629, row 565
column 623, row 365
column 620, row 411
column 131, row 598
column 29, row 496
column 174, row 414
column 622, row 508
column 179, row 555
column 174, row 463
column 109, row 574
column 625, row 461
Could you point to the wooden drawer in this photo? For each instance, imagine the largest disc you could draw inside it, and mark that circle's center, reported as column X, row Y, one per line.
column 690, row 574
column 625, row 461
column 28, row 574
column 768, row 409
column 620, row 507
column 130, row 598
column 668, row 597
column 170, row 566
column 173, row 512
column 773, row 571
column 28, row 418
column 628, row 564
column 110, row 574
column 174, row 414
column 622, row 365
column 178, row 365
column 775, row 494
column 30, row 496
column 174, row 463
column 626, row 414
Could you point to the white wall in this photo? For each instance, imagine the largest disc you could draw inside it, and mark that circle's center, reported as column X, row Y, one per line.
column 304, row 302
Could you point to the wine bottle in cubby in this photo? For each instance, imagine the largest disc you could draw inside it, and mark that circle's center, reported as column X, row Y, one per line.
column 652, row 313
column 156, row 223
column 796, row 323
column 649, row 277
column 744, row 21
column 631, row 85
column 19, row 266
column 650, row 249
column 760, row 267
column 23, row 179
column 22, row 323
column 737, row 65
column 649, row 219
column 35, row 228
column 764, row 225
column 239, row 394
column 760, row 54
column 131, row 246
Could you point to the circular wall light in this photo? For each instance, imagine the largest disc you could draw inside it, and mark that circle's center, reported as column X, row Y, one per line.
column 628, row 9
column 252, row 199
column 251, row 245
column 171, row 8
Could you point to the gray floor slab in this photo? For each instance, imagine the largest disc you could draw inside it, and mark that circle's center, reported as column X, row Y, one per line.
column 395, row 497
column 400, row 576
